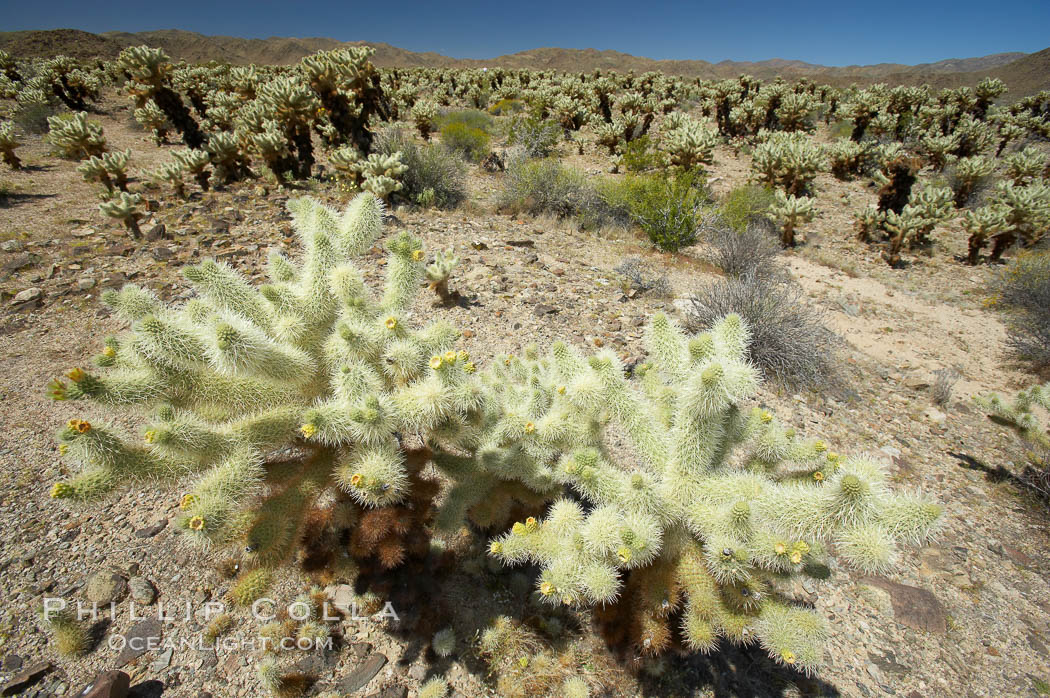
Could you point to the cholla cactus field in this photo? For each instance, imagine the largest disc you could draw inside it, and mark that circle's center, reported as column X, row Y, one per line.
column 357, row 343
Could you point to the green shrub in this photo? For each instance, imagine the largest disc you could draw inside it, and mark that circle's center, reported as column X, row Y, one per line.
column 468, row 117
column 435, row 174
column 745, row 204
column 537, row 136
column 471, row 143
column 507, row 106
column 667, row 207
column 545, row 186
column 640, row 155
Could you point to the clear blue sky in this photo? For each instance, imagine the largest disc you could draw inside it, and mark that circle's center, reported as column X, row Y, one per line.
column 830, row 32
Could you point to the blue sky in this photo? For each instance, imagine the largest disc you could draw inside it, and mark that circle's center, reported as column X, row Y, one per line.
column 840, row 32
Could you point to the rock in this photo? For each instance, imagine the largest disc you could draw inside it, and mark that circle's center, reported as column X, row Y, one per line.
column 1018, row 557
column 342, row 597
column 108, row 684
column 935, row 416
column 162, row 254
column 359, row 677
column 151, row 530
column 12, row 662
column 83, row 232
column 24, row 679
column 543, row 309
column 521, row 243
column 163, row 661
column 17, row 262
column 142, row 591
column 917, row 383
column 29, row 295
column 144, row 635
column 12, row 246
column 105, row 587
column 85, row 283
column 913, row 607
column 391, row 692
column 157, row 232
column 479, row 245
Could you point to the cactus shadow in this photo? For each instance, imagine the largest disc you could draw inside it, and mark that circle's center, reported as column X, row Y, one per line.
column 16, row 198
column 146, row 689
column 737, row 672
column 994, row 475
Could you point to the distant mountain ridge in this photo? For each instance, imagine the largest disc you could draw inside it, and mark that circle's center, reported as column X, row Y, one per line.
column 1023, row 73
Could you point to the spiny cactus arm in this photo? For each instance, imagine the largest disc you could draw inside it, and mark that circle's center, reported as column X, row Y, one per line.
column 222, row 286
column 213, row 511
column 404, row 273
column 108, row 461
column 374, row 476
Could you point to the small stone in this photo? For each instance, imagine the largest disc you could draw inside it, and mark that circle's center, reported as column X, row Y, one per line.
column 543, row 309
column 935, row 416
column 12, row 246
column 142, row 591
column 467, row 334
column 359, row 677
column 27, row 296
column 12, row 662
column 151, row 530
column 161, row 254
column 144, row 635
column 913, row 607
column 105, row 588
column 342, row 597
column 418, row 672
column 108, row 684
column 24, row 679
column 157, row 232
column 83, row 232
column 85, row 283
column 163, row 661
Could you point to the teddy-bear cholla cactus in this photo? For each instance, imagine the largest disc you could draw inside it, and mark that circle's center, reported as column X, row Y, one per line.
column 690, row 145
column 438, row 273
column 722, row 504
column 309, row 360
column 152, row 118
column 423, row 115
column 126, row 208
column 75, row 136
column 8, row 143
column 788, row 160
column 380, row 172
column 194, row 162
column 789, row 211
column 110, row 170
column 1019, row 415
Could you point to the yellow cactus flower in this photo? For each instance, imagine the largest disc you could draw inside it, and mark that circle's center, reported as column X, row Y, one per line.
column 76, row 375
column 417, row 255
column 624, row 554
column 435, row 362
column 801, row 546
column 529, row 427
column 495, row 547
column 462, row 355
column 61, row 490
column 818, row 476
column 547, row 589
column 63, row 449
column 355, row 479
column 531, row 524
column 820, row 446
column 150, row 435
column 308, row 430
column 79, row 426
column 518, row 529
column 788, row 656
column 766, row 417
column 796, row 557
column 779, row 548
column 470, row 367
column 109, row 351
column 197, row 523
column 391, row 323
column 506, row 361
column 188, row 500
column 450, row 357
column 523, row 661
column 561, row 389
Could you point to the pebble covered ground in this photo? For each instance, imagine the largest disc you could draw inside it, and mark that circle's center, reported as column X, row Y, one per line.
column 966, row 616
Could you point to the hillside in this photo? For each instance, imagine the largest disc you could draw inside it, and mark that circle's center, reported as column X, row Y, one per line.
column 1024, row 73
